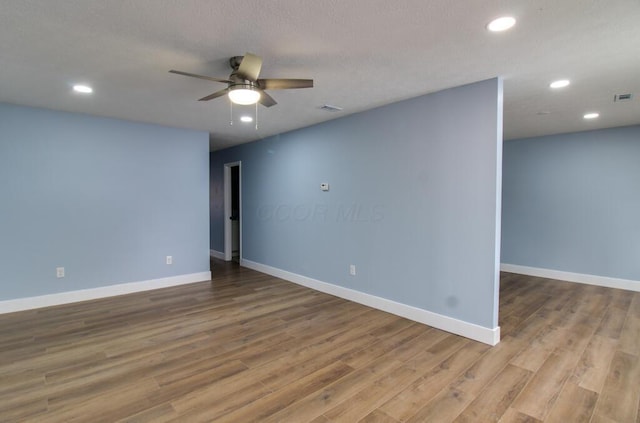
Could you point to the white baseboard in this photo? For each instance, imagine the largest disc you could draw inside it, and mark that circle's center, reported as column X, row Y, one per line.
column 605, row 281
column 20, row 304
column 439, row 321
column 216, row 254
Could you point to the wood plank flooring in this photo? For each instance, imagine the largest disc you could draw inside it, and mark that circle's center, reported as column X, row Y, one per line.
column 249, row 347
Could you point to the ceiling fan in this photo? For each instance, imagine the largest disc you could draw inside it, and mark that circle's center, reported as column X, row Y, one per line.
column 244, row 86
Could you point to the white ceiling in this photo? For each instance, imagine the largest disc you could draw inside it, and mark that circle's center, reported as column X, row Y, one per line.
column 361, row 54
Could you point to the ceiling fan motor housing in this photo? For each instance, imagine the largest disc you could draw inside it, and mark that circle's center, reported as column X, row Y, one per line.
column 235, row 61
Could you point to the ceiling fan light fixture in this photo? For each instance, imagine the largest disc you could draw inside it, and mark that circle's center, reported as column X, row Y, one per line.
column 244, row 95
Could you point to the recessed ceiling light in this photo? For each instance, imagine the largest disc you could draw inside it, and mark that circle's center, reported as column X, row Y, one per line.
column 501, row 24
column 84, row 89
column 561, row 83
column 246, row 119
column 591, row 115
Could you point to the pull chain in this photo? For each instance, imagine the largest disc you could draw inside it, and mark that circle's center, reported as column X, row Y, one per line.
column 256, row 116
column 230, row 112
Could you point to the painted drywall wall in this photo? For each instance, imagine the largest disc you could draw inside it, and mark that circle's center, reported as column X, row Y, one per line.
column 106, row 199
column 571, row 202
column 413, row 201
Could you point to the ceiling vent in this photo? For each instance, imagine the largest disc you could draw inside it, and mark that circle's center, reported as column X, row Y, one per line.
column 330, row 108
column 622, row 97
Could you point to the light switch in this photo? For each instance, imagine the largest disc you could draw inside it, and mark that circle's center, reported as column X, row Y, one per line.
column 324, row 186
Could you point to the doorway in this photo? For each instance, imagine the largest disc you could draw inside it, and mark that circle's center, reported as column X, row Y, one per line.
column 233, row 212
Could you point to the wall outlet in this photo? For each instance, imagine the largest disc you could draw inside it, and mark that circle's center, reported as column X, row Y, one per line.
column 169, row 260
column 352, row 269
column 60, row 272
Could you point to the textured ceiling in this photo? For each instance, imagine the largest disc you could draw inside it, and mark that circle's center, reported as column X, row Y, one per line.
column 361, row 54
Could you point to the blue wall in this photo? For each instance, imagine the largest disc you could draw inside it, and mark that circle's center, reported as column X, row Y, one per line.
column 572, row 202
column 413, row 201
column 104, row 198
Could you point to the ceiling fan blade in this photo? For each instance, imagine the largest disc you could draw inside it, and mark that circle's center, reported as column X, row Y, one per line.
column 208, row 78
column 283, row 84
column 249, row 68
column 215, row 95
column 266, row 100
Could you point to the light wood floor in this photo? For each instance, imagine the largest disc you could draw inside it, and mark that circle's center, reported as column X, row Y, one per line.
column 249, row 347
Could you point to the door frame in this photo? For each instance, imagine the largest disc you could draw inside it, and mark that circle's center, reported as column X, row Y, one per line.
column 228, row 249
